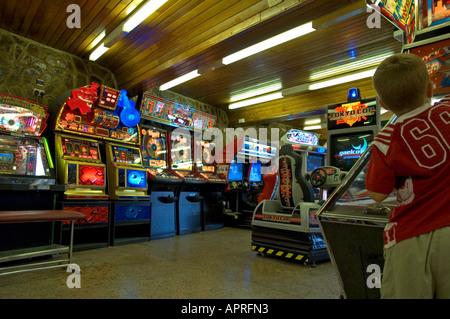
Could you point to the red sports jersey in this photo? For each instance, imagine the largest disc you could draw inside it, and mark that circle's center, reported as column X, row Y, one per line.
column 412, row 157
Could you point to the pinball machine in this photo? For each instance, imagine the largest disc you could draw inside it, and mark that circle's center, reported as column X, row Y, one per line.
column 27, row 172
column 96, row 146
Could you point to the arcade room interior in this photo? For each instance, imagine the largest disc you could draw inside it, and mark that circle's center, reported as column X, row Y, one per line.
column 173, row 149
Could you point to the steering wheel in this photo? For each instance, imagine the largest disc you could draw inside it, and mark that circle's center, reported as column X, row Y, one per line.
column 245, row 184
column 318, row 177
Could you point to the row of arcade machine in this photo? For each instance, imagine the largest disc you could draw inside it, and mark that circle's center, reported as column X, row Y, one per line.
column 132, row 180
column 287, row 226
column 351, row 222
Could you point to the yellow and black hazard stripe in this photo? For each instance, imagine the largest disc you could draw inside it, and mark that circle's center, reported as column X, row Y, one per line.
column 280, row 253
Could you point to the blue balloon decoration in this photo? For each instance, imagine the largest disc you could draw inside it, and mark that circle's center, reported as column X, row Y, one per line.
column 129, row 116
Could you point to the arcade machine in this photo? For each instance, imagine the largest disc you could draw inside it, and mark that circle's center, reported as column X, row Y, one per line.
column 287, row 227
column 349, row 216
column 189, row 195
column 175, row 183
column 27, row 175
column 307, row 145
column 91, row 128
column 212, row 191
column 163, row 182
column 249, row 160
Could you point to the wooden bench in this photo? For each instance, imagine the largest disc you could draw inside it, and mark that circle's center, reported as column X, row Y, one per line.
column 26, row 216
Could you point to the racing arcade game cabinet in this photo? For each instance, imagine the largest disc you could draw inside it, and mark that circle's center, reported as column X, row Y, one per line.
column 249, row 160
column 287, row 227
column 27, row 175
column 313, row 155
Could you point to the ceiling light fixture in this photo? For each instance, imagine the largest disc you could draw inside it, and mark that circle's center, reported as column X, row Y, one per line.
column 256, row 92
column 350, row 67
column 312, row 121
column 269, row 43
column 312, row 127
column 343, row 79
column 143, row 13
column 256, row 100
column 179, row 80
column 98, row 52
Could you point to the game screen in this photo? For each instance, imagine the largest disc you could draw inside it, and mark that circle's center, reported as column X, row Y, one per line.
column 73, row 147
column 90, row 175
column 153, row 148
column 314, row 161
column 125, row 155
column 181, row 152
column 132, row 178
column 347, row 149
column 236, row 172
column 205, row 163
column 22, row 156
column 255, row 173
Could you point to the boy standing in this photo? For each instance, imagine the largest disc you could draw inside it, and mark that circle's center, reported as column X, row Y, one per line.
column 411, row 158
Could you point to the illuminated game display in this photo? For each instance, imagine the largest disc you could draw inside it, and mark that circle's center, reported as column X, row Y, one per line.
column 24, row 155
column 351, row 128
column 127, row 176
column 175, row 114
column 80, row 167
column 307, row 145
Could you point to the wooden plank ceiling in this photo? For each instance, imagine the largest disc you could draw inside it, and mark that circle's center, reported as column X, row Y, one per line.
column 183, row 35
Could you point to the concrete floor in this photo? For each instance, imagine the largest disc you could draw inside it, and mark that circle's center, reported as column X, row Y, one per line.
column 217, row 264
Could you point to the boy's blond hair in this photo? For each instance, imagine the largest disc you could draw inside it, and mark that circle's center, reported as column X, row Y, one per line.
column 401, row 82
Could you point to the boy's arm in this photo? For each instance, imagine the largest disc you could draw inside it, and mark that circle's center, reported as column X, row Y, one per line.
column 378, row 197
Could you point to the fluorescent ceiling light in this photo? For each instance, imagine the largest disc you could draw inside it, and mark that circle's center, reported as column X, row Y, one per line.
column 312, row 127
column 142, row 14
column 98, row 38
column 179, row 80
column 98, row 52
column 350, row 67
column 344, row 79
column 256, row 92
column 256, row 100
column 312, row 121
column 269, row 43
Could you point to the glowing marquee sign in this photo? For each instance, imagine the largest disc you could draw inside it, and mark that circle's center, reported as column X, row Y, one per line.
column 351, row 115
